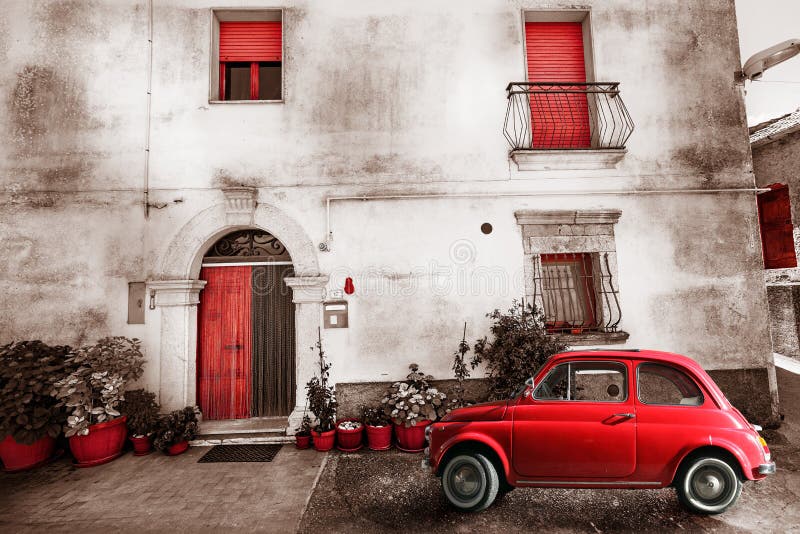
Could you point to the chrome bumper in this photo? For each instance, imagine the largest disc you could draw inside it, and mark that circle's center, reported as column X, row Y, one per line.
column 426, row 458
column 766, row 469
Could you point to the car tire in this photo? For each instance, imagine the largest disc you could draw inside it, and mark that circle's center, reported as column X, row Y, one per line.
column 708, row 485
column 470, row 482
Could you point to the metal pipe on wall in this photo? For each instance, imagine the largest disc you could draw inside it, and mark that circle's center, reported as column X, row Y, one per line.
column 147, row 114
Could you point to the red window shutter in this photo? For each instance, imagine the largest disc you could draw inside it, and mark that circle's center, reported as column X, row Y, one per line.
column 250, row 41
column 775, row 220
column 555, row 54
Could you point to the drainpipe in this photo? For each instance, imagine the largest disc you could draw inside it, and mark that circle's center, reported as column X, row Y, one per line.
column 326, row 245
column 147, row 115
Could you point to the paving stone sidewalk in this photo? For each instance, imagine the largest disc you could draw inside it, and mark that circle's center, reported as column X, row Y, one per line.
column 157, row 493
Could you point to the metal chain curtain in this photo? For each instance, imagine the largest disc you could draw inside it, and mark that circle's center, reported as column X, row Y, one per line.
column 273, row 342
column 246, row 345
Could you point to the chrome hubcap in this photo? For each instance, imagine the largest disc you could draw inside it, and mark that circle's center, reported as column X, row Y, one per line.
column 709, row 484
column 466, row 481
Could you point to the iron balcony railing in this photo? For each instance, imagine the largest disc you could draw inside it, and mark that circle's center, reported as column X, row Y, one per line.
column 566, row 116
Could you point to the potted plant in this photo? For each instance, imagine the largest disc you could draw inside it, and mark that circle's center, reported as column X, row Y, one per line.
column 175, row 430
column 379, row 428
column 302, row 435
column 349, row 435
column 141, row 409
column 92, row 393
column 322, row 403
column 30, row 418
column 413, row 404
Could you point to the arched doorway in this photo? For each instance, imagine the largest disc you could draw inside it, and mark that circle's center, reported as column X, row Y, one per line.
column 246, row 328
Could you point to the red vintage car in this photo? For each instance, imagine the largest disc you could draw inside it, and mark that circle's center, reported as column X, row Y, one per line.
column 602, row 419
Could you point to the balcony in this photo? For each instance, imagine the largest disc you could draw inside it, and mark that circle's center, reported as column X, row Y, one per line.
column 566, row 125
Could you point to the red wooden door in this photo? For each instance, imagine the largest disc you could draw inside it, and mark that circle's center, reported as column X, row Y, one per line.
column 775, row 220
column 555, row 54
column 224, row 376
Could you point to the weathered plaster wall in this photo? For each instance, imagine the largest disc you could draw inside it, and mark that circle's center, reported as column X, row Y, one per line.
column 379, row 98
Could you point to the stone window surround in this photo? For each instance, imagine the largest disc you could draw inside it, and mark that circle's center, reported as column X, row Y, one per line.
column 568, row 231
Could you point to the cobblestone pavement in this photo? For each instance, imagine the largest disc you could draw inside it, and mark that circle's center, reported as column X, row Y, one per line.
column 157, row 493
column 389, row 492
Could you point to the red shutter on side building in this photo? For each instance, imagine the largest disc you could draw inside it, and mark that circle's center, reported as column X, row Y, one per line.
column 775, row 220
column 250, row 41
column 555, row 54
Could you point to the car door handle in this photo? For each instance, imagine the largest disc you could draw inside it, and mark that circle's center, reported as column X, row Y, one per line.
column 626, row 415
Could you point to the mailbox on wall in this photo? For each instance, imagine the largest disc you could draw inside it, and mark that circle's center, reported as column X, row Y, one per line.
column 335, row 314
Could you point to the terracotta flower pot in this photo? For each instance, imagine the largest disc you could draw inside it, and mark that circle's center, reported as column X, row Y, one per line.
column 302, row 441
column 19, row 457
column 142, row 445
column 411, row 439
column 349, row 440
column 102, row 444
column 379, row 438
column 178, row 448
column 323, row 441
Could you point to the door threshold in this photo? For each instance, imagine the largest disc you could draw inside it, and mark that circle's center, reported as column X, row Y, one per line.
column 252, row 425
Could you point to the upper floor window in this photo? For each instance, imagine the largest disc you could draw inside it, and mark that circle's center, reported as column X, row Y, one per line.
column 249, row 49
column 775, row 221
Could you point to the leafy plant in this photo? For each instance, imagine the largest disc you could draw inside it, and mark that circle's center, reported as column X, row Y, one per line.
column 305, row 427
column 94, row 388
column 414, row 399
column 461, row 371
column 375, row 416
column 142, row 410
column 321, row 396
column 520, row 347
column 28, row 370
column 176, row 426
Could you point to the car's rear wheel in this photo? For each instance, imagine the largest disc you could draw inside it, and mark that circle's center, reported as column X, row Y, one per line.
column 708, row 485
column 470, row 482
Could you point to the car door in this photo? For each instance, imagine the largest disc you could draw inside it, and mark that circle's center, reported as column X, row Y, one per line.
column 579, row 422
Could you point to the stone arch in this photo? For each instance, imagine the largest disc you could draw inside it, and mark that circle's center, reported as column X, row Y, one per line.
column 182, row 257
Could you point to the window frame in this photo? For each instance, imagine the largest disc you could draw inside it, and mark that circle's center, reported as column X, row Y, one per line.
column 232, row 14
column 626, row 381
column 584, row 262
column 696, row 382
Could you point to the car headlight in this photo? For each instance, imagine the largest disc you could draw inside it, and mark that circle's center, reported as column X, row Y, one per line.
column 428, row 430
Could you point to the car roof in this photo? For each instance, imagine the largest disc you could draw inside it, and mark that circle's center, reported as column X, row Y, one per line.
column 633, row 354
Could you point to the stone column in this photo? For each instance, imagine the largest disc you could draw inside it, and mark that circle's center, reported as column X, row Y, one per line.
column 308, row 292
column 178, row 301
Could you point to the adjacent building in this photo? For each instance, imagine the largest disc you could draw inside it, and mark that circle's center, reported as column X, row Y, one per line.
column 228, row 182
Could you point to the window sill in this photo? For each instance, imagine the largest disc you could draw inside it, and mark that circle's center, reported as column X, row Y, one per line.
column 245, row 101
column 593, row 338
column 556, row 160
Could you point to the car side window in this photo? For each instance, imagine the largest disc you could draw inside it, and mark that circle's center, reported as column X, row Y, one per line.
column 585, row 381
column 662, row 384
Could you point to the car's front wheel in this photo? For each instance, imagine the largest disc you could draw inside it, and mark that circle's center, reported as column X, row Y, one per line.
column 708, row 485
column 470, row 482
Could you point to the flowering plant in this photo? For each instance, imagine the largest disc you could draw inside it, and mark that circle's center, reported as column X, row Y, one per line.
column 349, row 425
column 177, row 426
column 375, row 416
column 414, row 399
column 93, row 390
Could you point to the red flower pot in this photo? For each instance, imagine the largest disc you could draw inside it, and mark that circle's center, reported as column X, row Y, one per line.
column 142, row 445
column 302, row 442
column 102, row 444
column 178, row 448
column 19, row 457
column 379, row 438
column 349, row 440
column 411, row 439
column 323, row 441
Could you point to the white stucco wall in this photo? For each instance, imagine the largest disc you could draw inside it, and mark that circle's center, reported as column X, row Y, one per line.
column 379, row 98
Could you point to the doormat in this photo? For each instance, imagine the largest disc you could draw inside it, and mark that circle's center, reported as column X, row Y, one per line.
column 240, row 453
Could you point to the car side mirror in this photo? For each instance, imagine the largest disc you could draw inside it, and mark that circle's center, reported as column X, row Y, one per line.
column 529, row 385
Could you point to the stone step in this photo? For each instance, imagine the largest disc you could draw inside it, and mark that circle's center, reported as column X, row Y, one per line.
column 208, row 440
